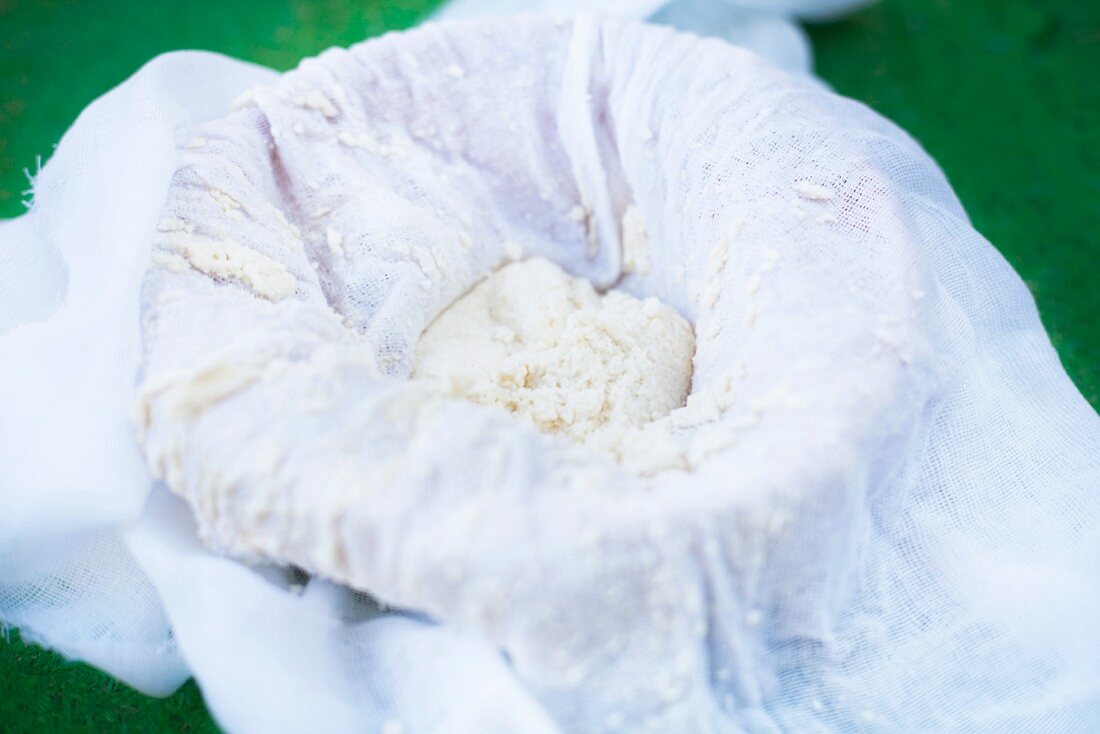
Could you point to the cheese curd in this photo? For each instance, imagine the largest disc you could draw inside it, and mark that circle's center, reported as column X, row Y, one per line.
column 547, row 346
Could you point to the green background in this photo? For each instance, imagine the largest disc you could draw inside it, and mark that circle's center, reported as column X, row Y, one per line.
column 1003, row 93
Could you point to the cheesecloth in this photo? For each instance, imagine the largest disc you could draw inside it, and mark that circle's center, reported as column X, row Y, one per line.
column 765, row 27
column 886, row 516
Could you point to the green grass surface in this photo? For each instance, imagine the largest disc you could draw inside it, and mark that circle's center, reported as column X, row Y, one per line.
column 56, row 56
column 41, row 692
column 1003, row 93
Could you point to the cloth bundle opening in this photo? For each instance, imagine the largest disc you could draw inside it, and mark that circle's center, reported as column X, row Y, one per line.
column 875, row 433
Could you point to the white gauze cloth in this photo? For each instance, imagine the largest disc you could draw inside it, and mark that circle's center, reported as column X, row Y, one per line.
column 766, row 27
column 885, row 517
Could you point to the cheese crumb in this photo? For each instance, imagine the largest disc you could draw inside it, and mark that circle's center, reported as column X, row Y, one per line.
column 224, row 199
column 314, row 100
column 583, row 215
column 335, row 241
column 813, row 192
column 249, row 97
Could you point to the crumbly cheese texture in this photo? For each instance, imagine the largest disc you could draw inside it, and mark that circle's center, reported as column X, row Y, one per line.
column 546, row 346
column 229, row 260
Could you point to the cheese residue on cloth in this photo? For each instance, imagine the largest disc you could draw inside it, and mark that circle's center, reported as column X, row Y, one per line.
column 231, row 261
column 547, row 346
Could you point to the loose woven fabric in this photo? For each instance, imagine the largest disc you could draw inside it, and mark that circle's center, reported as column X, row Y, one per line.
column 762, row 26
column 890, row 524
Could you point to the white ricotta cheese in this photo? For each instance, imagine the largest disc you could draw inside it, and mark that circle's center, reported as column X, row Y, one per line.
column 544, row 345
